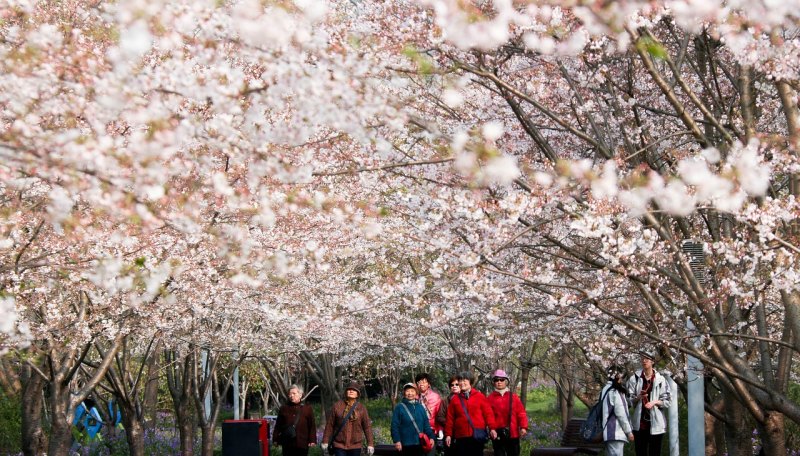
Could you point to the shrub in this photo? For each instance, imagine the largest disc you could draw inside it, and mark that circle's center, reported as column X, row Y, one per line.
column 10, row 424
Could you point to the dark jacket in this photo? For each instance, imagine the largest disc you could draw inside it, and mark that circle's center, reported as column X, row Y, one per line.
column 441, row 415
column 479, row 411
column 403, row 429
column 357, row 427
column 306, row 429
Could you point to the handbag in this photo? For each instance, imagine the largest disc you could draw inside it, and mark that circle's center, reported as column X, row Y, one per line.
column 478, row 434
column 341, row 426
column 504, row 433
column 425, row 441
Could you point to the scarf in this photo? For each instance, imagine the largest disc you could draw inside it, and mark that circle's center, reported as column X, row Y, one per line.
column 502, row 391
column 348, row 404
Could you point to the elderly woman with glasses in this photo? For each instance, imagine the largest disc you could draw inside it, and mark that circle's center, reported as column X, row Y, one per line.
column 509, row 416
column 470, row 420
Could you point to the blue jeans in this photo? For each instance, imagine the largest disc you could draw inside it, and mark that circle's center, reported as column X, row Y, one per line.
column 343, row 452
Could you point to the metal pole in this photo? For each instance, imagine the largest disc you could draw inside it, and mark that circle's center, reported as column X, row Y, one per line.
column 695, row 402
column 206, row 373
column 672, row 416
column 236, row 388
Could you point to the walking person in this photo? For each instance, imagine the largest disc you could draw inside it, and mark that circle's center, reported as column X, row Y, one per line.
column 617, row 429
column 295, row 430
column 509, row 416
column 409, row 419
column 470, row 420
column 649, row 393
column 348, row 425
column 432, row 402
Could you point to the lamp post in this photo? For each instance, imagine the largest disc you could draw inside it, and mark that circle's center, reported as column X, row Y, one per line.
column 695, row 400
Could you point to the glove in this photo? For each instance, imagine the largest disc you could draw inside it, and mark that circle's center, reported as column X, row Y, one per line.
column 370, row 450
column 441, row 435
column 324, row 447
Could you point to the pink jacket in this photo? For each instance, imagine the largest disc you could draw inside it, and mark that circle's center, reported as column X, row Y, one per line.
column 432, row 402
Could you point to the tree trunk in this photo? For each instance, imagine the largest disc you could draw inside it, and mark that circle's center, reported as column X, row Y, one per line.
column 207, row 436
column 150, row 400
column 185, row 422
column 34, row 440
column 134, row 432
column 524, row 375
column 738, row 443
column 61, row 426
column 772, row 431
column 134, row 428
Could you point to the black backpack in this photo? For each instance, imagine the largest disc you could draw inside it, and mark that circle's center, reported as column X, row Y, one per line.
column 592, row 428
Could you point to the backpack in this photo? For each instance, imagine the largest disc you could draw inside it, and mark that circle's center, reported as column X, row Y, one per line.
column 592, row 428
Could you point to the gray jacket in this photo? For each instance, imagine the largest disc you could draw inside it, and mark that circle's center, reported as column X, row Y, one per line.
column 660, row 391
column 616, row 423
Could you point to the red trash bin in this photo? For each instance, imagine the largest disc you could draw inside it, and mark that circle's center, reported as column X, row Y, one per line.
column 245, row 438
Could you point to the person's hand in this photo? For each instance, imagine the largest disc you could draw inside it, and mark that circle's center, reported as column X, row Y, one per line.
column 312, row 444
column 650, row 405
column 630, row 437
column 440, row 436
column 447, row 440
column 370, row 450
column 324, row 447
column 399, row 446
column 493, row 434
column 522, row 432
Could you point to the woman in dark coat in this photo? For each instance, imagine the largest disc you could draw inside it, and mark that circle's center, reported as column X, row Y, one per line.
column 295, row 430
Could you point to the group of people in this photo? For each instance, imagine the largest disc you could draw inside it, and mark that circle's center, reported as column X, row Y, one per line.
column 648, row 392
column 462, row 422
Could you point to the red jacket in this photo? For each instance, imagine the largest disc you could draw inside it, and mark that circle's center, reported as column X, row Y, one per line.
column 479, row 409
column 519, row 419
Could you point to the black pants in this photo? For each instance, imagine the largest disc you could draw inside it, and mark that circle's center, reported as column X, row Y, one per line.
column 646, row 444
column 412, row 450
column 294, row 451
column 467, row 446
column 506, row 447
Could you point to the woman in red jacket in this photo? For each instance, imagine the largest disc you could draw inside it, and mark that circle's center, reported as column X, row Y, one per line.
column 509, row 415
column 470, row 420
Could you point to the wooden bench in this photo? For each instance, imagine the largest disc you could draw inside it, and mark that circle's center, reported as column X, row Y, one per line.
column 571, row 443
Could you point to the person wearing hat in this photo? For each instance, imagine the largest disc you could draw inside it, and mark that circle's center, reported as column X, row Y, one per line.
column 409, row 419
column 616, row 421
column 469, row 416
column 347, row 425
column 509, row 416
column 649, row 393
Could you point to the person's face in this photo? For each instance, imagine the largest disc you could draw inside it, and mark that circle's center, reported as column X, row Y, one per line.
column 410, row 394
column 454, row 387
column 351, row 394
column 500, row 383
column 465, row 384
column 423, row 385
column 294, row 396
column 647, row 363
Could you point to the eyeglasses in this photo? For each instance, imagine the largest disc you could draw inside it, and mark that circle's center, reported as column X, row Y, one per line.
column 496, row 379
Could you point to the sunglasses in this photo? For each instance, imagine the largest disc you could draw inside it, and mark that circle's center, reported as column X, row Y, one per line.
column 496, row 379
column 453, row 385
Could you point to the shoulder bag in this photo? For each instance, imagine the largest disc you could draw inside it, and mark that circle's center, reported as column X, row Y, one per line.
column 425, row 441
column 478, row 434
